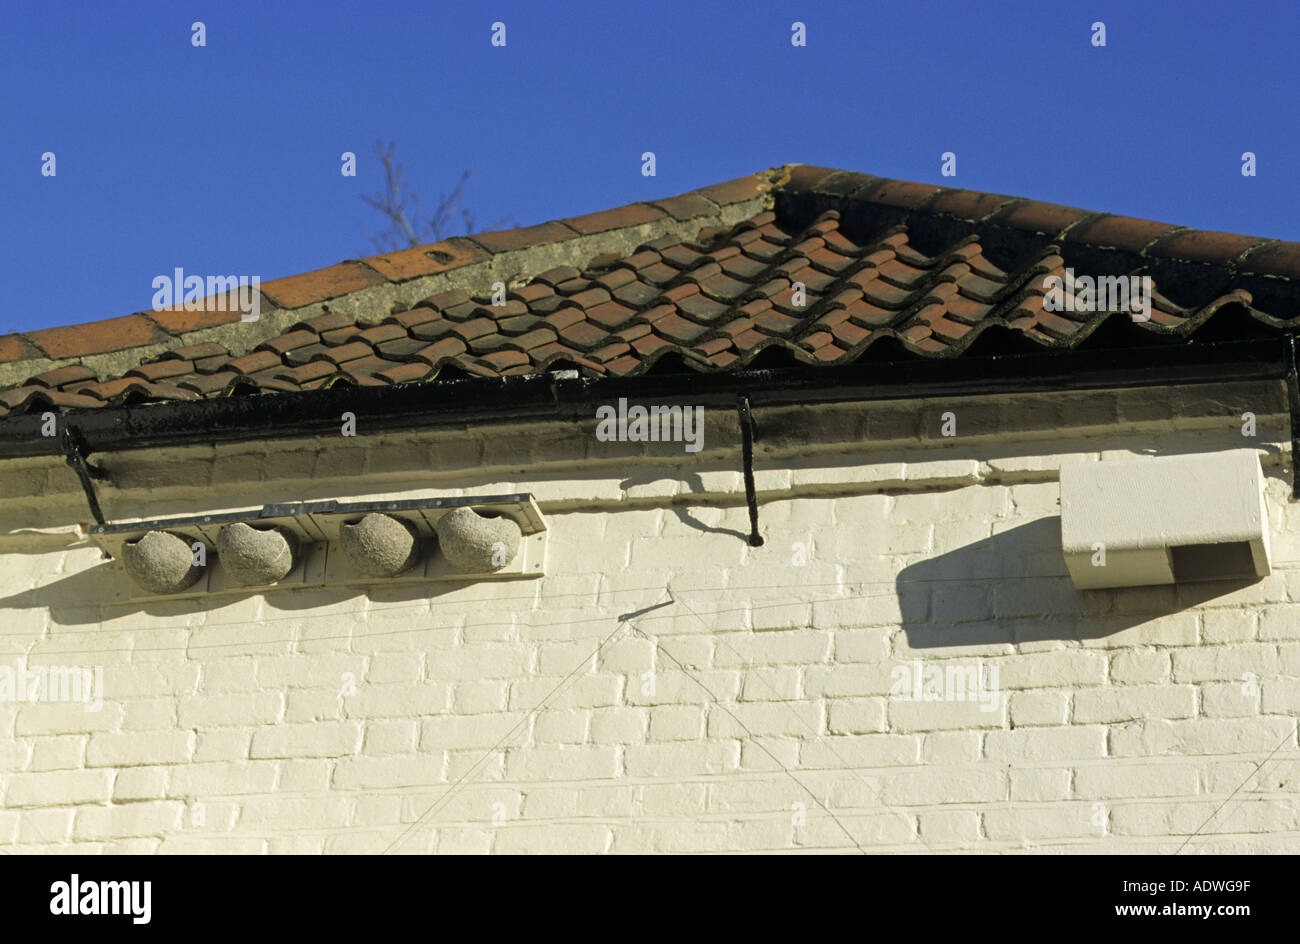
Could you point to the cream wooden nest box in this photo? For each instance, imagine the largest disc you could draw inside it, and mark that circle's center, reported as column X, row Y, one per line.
column 1174, row 519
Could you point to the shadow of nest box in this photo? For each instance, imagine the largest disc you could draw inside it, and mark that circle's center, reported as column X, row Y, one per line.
column 326, row 544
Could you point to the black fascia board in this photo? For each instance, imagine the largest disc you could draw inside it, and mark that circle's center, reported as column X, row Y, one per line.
column 472, row 401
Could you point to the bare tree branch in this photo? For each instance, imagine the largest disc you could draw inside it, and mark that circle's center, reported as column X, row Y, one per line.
column 408, row 222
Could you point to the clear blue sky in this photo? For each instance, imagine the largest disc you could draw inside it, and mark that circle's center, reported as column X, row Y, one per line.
column 225, row 159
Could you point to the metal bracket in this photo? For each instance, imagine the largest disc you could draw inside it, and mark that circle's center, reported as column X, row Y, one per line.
column 75, row 452
column 316, row 526
column 1293, row 398
column 747, row 454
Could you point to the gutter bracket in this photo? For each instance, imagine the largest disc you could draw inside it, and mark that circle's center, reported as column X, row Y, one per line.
column 1293, row 398
column 747, row 433
column 74, row 452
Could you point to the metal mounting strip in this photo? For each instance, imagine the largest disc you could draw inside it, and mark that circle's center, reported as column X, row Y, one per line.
column 1293, row 398
column 74, row 451
column 747, row 454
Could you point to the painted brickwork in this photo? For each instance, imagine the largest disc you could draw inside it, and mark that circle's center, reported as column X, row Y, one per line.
column 761, row 711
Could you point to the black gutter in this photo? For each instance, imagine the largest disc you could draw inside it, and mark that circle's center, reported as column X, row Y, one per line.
column 553, row 397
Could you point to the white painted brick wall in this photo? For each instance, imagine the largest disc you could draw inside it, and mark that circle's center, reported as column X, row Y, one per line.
column 760, row 712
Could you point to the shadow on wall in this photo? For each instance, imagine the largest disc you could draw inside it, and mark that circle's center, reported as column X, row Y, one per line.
column 1014, row 588
column 100, row 593
column 695, row 486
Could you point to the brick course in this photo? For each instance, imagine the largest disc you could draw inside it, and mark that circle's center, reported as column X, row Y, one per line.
column 314, row 722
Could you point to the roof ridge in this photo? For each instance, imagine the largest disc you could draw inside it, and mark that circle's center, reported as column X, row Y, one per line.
column 368, row 287
column 1054, row 220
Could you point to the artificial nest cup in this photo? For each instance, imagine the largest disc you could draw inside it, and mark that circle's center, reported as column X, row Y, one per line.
column 473, row 544
column 256, row 556
column 161, row 562
column 380, row 545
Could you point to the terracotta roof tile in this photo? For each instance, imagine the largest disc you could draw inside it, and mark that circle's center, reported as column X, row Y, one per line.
column 1121, row 232
column 610, row 314
column 326, row 322
column 650, row 345
column 477, row 328
column 610, row 351
column 589, row 297
column 63, row 375
column 304, row 355
column 686, row 207
column 465, row 311
column 383, row 332
column 561, row 318
column 414, row 372
column 849, row 334
column 444, row 300
column 14, row 347
column 702, row 309
column 735, row 191
column 533, row 339
column 271, row 380
column 73, row 401
column 311, row 371
column 967, row 204
column 415, row 316
column 211, row 314
column 194, row 352
column 401, row 349
column 1276, row 258
column 291, row 341
column 347, row 352
column 659, row 273
column 632, row 215
column 297, row 291
column 210, row 365
column 678, row 329
column 366, row 366
column 525, row 238
column 636, row 294
column 492, row 341
column 252, row 363
column 340, row 336
column 500, row 360
column 616, row 278
column 18, row 398
column 1199, row 246
column 774, row 322
column 160, row 370
column 432, row 330
column 633, row 331
column 447, row 347
column 115, row 334
column 712, row 300
column 623, row 365
column 111, row 389
column 427, row 260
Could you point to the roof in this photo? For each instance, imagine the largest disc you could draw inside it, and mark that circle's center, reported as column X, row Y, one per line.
column 698, row 282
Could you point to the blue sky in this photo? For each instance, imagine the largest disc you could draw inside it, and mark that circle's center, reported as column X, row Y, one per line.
column 226, row 159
